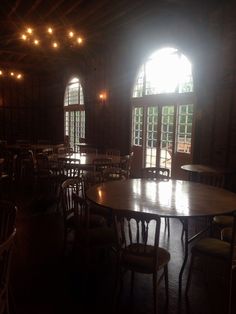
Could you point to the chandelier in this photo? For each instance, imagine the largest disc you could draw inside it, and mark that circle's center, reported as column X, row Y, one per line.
column 49, row 37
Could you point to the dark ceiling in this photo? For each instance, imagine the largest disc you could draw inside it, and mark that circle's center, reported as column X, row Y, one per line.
column 98, row 22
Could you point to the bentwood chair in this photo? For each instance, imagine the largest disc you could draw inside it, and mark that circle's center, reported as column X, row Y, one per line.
column 212, row 250
column 71, row 223
column 7, row 219
column 160, row 174
column 7, row 234
column 112, row 152
column 138, row 250
column 102, row 163
column 113, row 174
column 5, row 263
column 156, row 173
column 92, row 235
column 126, row 163
column 217, row 180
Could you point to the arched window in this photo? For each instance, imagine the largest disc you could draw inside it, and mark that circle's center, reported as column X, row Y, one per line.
column 162, row 102
column 74, row 113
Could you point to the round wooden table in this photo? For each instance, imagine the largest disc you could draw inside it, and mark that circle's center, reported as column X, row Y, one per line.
column 86, row 159
column 173, row 198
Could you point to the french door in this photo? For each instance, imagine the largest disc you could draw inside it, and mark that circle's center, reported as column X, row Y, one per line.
column 74, row 126
column 164, row 134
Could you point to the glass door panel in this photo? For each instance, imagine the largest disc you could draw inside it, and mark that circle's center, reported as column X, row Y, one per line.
column 166, row 136
column 151, row 137
column 137, row 126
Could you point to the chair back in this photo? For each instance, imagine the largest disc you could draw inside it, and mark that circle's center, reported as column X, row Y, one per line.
column 68, row 188
column 156, row 173
column 5, row 262
column 42, row 163
column 88, row 150
column 112, row 152
column 126, row 162
column 102, row 163
column 68, row 167
column 113, row 174
column 7, row 219
column 136, row 232
column 233, row 240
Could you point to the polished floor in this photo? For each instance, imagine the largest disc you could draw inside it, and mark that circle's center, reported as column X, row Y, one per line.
column 44, row 281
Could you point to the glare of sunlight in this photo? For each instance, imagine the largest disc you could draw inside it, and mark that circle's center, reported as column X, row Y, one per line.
column 167, row 70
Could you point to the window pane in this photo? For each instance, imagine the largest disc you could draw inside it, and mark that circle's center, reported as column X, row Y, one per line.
column 184, row 129
column 137, row 126
column 74, row 120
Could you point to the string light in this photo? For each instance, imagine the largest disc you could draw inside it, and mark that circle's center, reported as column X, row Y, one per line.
column 79, row 40
column 29, row 30
column 55, row 44
column 71, row 34
column 8, row 73
column 45, row 37
column 50, row 31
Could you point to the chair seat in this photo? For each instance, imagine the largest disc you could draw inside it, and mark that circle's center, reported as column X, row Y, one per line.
column 140, row 258
column 223, row 221
column 212, row 247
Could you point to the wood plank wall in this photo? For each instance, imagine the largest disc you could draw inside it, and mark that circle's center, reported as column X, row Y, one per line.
column 34, row 108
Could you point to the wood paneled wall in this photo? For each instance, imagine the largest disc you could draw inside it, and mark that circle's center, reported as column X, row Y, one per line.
column 34, row 108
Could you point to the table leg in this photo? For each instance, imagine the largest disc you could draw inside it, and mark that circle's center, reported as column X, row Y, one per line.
column 186, row 241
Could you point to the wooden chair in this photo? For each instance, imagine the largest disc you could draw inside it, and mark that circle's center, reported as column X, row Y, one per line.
column 7, row 219
column 25, row 166
column 92, row 234
column 125, row 163
column 102, row 163
column 88, row 150
column 217, row 180
column 157, row 173
column 6, row 248
column 71, row 219
column 113, row 174
column 137, row 238
column 7, row 233
column 47, row 181
column 68, row 167
column 212, row 250
column 112, row 152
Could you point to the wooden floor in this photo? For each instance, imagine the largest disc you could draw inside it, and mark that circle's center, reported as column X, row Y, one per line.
column 45, row 281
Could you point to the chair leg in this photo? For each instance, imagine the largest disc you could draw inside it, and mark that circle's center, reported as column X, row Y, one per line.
column 132, row 284
column 189, row 275
column 166, row 283
column 155, row 292
column 167, row 225
column 229, row 305
column 182, row 233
